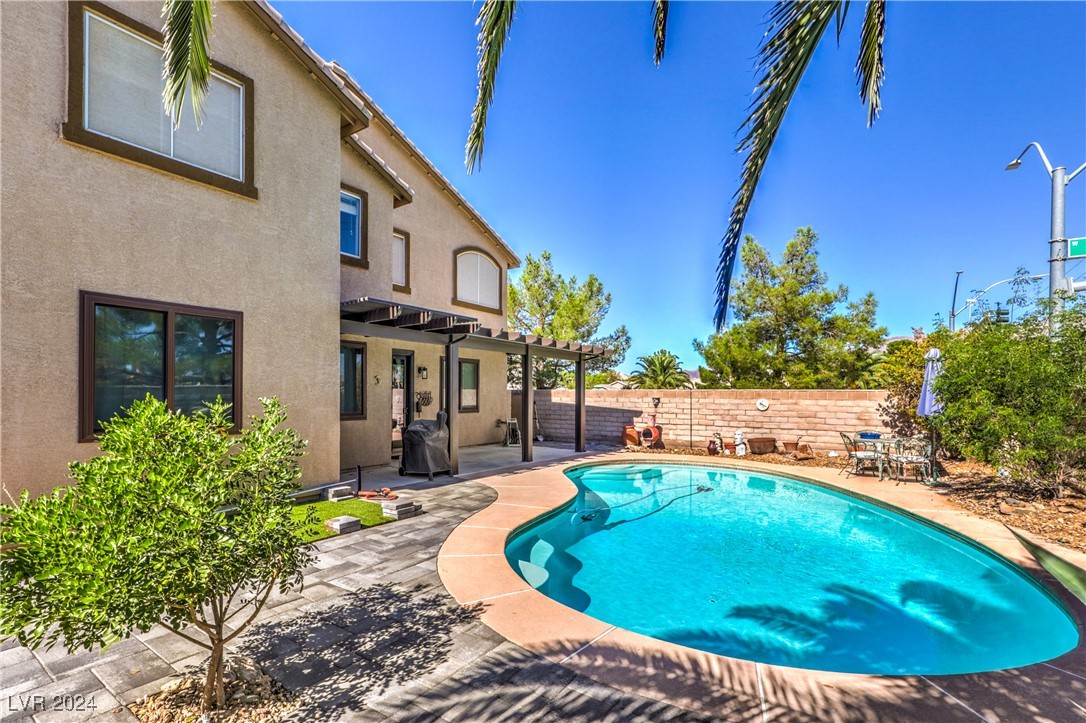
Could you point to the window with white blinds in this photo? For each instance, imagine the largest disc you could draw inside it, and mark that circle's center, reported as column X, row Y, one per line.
column 122, row 99
column 478, row 280
column 399, row 260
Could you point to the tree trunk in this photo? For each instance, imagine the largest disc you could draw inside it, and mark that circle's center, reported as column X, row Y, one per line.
column 213, row 682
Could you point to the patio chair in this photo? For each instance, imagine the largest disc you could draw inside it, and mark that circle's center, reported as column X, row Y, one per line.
column 912, row 453
column 861, row 455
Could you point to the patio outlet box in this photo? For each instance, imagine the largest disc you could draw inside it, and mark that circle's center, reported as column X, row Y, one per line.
column 343, row 524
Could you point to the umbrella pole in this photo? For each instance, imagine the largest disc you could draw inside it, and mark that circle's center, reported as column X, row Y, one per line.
column 934, row 462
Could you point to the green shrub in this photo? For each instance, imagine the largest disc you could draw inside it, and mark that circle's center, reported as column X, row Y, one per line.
column 1014, row 395
column 143, row 536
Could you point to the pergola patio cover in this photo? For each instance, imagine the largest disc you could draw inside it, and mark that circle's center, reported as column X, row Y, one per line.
column 380, row 318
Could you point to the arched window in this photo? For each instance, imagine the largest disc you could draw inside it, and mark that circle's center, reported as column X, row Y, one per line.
column 478, row 279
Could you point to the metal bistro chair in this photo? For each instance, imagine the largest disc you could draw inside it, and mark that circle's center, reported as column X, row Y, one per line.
column 914, row 453
column 861, row 455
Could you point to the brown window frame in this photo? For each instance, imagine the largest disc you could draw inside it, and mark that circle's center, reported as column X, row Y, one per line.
column 88, row 300
column 456, row 281
column 460, row 387
column 73, row 129
column 363, row 259
column 365, row 367
column 404, row 288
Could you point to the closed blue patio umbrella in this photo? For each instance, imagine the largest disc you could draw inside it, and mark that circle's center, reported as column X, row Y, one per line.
column 929, row 404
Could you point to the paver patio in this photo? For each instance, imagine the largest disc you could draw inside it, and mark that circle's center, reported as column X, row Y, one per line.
column 374, row 635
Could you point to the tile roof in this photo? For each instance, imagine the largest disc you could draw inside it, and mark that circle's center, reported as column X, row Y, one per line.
column 318, row 67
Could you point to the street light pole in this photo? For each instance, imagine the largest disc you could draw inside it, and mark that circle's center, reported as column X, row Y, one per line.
column 969, row 302
column 1057, row 261
column 1057, row 258
column 954, row 300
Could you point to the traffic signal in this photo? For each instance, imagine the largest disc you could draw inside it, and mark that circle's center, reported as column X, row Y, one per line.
column 1002, row 316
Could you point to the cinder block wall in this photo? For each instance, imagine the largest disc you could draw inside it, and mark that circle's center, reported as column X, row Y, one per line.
column 689, row 418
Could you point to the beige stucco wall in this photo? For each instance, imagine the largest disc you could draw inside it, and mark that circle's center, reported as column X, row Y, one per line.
column 76, row 219
column 438, row 226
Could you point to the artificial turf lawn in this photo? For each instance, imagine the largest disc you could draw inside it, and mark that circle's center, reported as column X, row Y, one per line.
column 368, row 513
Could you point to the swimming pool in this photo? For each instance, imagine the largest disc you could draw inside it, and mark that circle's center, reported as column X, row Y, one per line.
column 770, row 569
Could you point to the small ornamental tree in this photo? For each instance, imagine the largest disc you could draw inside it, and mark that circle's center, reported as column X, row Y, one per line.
column 177, row 522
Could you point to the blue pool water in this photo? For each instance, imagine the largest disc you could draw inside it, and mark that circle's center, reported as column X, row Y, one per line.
column 770, row 569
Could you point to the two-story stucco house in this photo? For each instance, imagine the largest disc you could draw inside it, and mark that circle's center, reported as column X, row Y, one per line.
column 295, row 244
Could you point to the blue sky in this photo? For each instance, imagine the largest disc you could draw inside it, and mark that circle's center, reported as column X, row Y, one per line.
column 626, row 170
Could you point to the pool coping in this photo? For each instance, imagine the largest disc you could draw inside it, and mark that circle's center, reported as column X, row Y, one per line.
column 473, row 568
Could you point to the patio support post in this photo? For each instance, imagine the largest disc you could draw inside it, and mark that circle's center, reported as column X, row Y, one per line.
column 579, row 406
column 452, row 402
column 526, row 407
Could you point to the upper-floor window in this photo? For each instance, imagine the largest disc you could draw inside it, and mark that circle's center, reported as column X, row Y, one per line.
column 401, row 261
column 115, row 105
column 352, row 226
column 182, row 354
column 478, row 280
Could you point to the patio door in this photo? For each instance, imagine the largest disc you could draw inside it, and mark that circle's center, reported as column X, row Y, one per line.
column 402, row 397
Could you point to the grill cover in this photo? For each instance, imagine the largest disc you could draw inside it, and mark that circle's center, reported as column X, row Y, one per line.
column 426, row 447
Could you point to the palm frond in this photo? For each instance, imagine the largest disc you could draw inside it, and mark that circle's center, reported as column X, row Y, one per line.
column 495, row 19
column 794, row 29
column 659, row 28
column 870, row 71
column 1071, row 576
column 842, row 12
column 186, row 57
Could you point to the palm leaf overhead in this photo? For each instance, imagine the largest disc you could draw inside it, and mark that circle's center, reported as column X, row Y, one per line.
column 870, row 71
column 186, row 58
column 659, row 28
column 495, row 19
column 1071, row 576
column 793, row 31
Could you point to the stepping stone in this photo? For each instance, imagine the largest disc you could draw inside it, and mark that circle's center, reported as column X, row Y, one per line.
column 400, row 509
column 343, row 524
column 345, row 492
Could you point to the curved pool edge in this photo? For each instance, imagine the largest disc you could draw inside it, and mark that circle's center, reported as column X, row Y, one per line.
column 473, row 567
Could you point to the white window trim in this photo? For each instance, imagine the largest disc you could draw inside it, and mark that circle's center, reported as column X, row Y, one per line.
column 88, row 14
